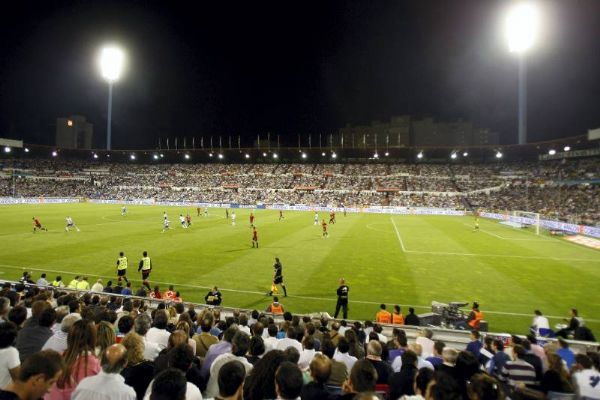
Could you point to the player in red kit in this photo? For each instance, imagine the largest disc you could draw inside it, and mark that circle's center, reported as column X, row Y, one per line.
column 324, row 225
column 37, row 225
column 254, row 238
column 332, row 217
column 252, row 220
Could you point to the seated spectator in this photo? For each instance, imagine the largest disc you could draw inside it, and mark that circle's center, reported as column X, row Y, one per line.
column 288, row 381
column 397, row 317
column 532, row 359
column 334, row 333
column 436, row 359
column 421, row 362
column 307, row 353
column 556, row 378
column 108, row 384
column 261, row 383
column 170, row 384
column 341, row 354
column 180, row 358
column 443, row 387
column 256, row 349
column 339, row 372
column 9, row 355
column 32, row 338
column 475, row 345
column 401, row 382
column 384, row 370
column 289, row 341
column 422, row 379
column 565, row 353
column 483, row 386
column 185, row 326
column 466, row 366
column 158, row 333
column 320, row 370
column 426, row 342
column 363, row 378
column 231, row 380
column 586, row 378
column 412, row 318
column 4, row 308
column 36, row 375
column 17, row 315
column 239, row 347
column 141, row 325
column 139, row 372
column 58, row 341
column 223, row 347
column 518, row 371
column 383, row 316
column 539, row 322
column 97, row 287
column 499, row 359
column 80, row 361
column 449, row 365
column 204, row 339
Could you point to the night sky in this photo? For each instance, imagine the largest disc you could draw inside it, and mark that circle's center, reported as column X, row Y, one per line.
column 290, row 67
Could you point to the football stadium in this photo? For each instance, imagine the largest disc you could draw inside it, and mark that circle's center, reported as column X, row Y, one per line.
column 444, row 253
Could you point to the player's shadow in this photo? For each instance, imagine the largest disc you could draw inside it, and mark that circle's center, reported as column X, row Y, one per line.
column 234, row 250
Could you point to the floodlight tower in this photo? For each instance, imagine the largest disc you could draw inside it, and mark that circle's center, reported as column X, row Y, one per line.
column 111, row 65
column 521, row 31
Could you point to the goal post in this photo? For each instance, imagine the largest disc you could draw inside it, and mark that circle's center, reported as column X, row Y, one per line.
column 527, row 218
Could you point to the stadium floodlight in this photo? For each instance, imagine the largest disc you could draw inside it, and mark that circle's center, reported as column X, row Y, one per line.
column 187, row 156
column 323, row 154
column 420, row 155
column 522, row 25
column 161, row 155
column 453, row 156
column 375, row 155
column 333, row 155
column 95, row 156
column 210, row 154
column 26, row 149
column 54, row 153
column 155, row 156
column 220, row 156
column 247, row 156
column 264, row 154
column 275, row 155
column 132, row 157
column 7, row 149
column 552, row 152
column 567, row 148
column 465, row 154
column 111, row 65
column 387, row 153
column 498, row 154
column 304, row 155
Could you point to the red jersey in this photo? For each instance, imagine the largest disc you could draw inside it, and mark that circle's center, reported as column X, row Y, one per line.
column 36, row 222
column 254, row 236
column 251, row 218
column 324, row 224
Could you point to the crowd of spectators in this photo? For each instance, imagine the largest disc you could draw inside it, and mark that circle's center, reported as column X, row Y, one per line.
column 85, row 345
column 565, row 190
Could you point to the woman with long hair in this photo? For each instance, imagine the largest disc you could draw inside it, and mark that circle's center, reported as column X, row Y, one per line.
column 556, row 378
column 139, row 372
column 184, row 326
column 356, row 348
column 80, row 361
column 105, row 337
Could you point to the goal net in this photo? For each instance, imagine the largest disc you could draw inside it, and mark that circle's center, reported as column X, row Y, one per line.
column 527, row 218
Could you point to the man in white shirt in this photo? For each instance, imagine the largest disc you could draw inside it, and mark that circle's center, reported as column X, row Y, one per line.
column 426, row 342
column 158, row 333
column 539, row 322
column 289, row 341
column 9, row 355
column 239, row 347
column 341, row 354
column 307, row 353
column 58, row 341
column 586, row 378
column 141, row 325
column 421, row 362
column 109, row 384
column 42, row 281
column 271, row 338
column 97, row 287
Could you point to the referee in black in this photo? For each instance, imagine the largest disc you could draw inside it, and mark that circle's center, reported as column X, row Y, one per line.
column 342, row 299
column 278, row 277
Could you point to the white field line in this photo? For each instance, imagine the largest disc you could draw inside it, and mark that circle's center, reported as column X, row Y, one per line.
column 398, row 235
column 262, row 293
column 507, row 238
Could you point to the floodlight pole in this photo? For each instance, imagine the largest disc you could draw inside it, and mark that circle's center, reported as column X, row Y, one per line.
column 522, row 98
column 108, row 126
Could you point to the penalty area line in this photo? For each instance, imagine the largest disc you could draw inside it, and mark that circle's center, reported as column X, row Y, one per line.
column 398, row 236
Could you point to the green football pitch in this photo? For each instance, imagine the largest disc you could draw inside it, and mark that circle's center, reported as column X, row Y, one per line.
column 399, row 259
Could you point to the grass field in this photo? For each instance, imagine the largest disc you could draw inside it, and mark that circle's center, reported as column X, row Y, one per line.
column 406, row 260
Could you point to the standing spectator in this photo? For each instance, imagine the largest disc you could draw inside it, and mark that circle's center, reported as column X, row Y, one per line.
column 36, row 375
column 9, row 355
column 80, row 361
column 107, row 384
column 412, row 318
column 342, row 299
